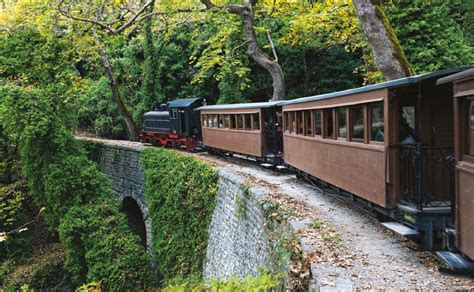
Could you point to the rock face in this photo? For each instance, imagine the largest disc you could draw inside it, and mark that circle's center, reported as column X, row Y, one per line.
column 238, row 243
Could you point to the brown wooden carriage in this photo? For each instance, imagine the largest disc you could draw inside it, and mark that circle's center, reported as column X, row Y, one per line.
column 252, row 129
column 463, row 93
column 390, row 144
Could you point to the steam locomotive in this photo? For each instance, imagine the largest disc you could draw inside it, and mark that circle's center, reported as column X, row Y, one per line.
column 403, row 149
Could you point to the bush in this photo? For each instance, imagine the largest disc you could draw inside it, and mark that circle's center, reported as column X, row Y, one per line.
column 180, row 194
column 71, row 181
column 100, row 248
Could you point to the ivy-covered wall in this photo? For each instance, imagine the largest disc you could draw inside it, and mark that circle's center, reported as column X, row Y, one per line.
column 180, row 194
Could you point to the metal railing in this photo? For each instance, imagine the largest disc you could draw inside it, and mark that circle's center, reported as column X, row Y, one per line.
column 426, row 175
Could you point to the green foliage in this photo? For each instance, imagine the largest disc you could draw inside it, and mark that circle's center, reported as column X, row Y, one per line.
column 429, row 34
column 266, row 281
column 180, row 194
column 100, row 247
column 71, row 181
column 42, row 271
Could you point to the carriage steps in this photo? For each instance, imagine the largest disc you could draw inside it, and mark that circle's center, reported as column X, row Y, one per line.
column 402, row 230
column 455, row 263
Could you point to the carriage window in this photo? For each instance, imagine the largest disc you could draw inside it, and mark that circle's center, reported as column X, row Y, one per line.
column 248, row 122
column 221, row 121
column 407, row 129
column 232, row 121
column 317, row 123
column 307, row 123
column 470, row 135
column 293, row 122
column 329, row 124
column 287, row 121
column 226, row 121
column 204, row 120
column 377, row 122
column 342, row 122
column 357, row 118
column 256, row 121
column 240, row 121
column 209, row 120
column 214, row 124
column 299, row 122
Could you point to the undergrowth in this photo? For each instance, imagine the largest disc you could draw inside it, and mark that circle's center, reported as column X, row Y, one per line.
column 180, row 194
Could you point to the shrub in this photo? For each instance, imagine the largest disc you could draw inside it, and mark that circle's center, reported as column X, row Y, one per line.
column 71, row 181
column 180, row 194
column 101, row 248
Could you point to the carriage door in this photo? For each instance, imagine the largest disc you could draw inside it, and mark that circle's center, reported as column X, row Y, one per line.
column 272, row 131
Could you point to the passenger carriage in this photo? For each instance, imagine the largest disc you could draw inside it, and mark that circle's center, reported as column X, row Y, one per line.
column 463, row 93
column 251, row 129
column 391, row 144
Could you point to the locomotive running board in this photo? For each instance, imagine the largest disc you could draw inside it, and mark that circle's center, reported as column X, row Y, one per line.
column 402, row 229
column 455, row 263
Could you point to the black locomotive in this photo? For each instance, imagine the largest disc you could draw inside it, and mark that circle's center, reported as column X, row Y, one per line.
column 175, row 124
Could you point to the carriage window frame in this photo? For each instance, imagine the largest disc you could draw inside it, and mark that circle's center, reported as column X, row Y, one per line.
column 299, row 123
column 371, row 124
column 232, row 120
column 220, row 121
column 286, row 121
column 256, row 121
column 316, row 123
column 329, row 124
column 247, row 122
column 352, row 124
column 468, row 130
column 308, row 123
column 226, row 121
column 240, row 122
column 341, row 115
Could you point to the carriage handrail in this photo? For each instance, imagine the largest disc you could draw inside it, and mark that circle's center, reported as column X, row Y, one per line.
column 426, row 175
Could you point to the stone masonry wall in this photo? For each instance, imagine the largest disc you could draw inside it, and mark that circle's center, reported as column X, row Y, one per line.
column 238, row 243
column 122, row 166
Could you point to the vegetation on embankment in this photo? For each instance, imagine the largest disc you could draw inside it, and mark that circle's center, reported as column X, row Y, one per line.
column 75, row 197
column 180, row 194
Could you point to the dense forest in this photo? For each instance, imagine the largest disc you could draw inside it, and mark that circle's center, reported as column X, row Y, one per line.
column 69, row 67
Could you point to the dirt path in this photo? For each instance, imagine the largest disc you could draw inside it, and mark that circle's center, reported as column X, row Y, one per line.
column 380, row 259
column 377, row 258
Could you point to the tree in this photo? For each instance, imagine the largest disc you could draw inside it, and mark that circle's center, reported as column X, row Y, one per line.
column 433, row 39
column 254, row 50
column 389, row 55
column 112, row 20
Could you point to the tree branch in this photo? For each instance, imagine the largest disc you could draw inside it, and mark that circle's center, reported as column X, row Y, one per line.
column 273, row 47
column 104, row 26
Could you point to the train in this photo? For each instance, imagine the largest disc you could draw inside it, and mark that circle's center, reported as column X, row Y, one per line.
column 402, row 149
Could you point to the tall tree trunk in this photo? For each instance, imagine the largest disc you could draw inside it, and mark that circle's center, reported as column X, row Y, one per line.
column 132, row 130
column 389, row 55
column 254, row 50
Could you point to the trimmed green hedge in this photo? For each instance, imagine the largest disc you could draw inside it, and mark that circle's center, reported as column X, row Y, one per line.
column 180, row 193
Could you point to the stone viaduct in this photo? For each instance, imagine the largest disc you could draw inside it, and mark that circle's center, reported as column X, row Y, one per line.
column 237, row 246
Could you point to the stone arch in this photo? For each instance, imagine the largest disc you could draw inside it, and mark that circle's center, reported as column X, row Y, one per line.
column 138, row 220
